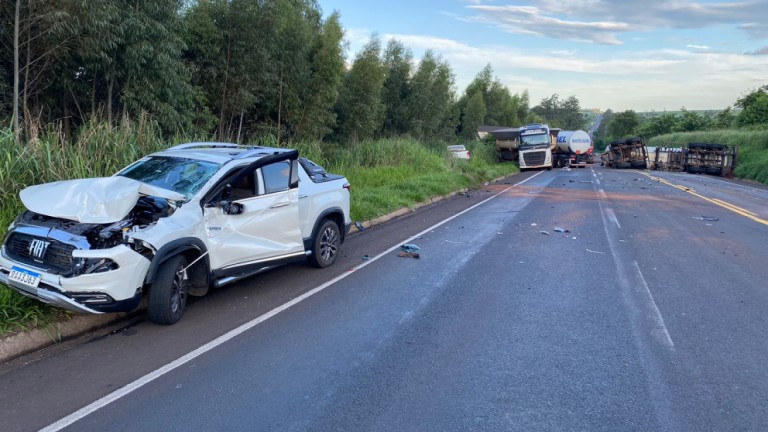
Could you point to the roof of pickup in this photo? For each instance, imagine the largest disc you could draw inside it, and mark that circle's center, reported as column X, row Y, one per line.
column 217, row 152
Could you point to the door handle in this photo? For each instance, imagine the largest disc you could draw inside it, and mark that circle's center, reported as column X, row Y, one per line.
column 303, row 196
column 280, row 204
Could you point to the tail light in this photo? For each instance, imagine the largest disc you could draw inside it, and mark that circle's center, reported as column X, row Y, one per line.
column 467, row 154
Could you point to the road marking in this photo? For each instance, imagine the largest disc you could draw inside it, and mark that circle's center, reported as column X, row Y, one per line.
column 728, row 206
column 597, row 180
column 660, row 332
column 734, row 206
column 602, row 194
column 612, row 217
column 146, row 379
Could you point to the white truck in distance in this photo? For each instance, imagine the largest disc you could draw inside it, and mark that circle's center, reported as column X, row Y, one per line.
column 544, row 147
column 173, row 224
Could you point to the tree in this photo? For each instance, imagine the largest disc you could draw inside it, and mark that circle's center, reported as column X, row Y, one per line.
column 659, row 125
column 690, row 121
column 754, row 108
column 724, row 119
column 474, row 114
column 398, row 62
column 360, row 108
column 623, row 124
column 432, row 97
column 318, row 118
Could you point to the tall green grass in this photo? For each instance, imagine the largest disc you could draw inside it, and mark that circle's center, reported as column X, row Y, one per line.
column 385, row 175
column 752, row 145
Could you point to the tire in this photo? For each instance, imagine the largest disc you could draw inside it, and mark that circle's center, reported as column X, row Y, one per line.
column 169, row 292
column 692, row 169
column 638, row 164
column 325, row 245
column 623, row 165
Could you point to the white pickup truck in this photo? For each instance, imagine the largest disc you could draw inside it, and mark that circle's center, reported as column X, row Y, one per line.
column 173, row 224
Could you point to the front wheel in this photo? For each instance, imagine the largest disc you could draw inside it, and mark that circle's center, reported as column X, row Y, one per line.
column 325, row 246
column 168, row 294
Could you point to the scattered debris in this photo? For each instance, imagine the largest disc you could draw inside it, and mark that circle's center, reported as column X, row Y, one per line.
column 454, row 242
column 586, row 181
column 366, row 257
column 410, row 248
column 562, row 230
column 595, row 252
column 544, row 232
column 571, row 181
column 360, row 226
column 499, row 233
column 534, row 224
column 574, row 238
column 409, row 255
column 707, row 218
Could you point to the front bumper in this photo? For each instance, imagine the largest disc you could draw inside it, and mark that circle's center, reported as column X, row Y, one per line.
column 121, row 287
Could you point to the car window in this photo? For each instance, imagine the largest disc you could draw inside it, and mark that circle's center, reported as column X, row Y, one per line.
column 277, row 176
column 185, row 176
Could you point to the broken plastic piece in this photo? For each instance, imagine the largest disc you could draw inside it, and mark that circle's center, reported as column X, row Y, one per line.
column 595, row 252
column 408, row 255
column 410, row 248
column 544, row 232
column 366, row 257
column 360, row 226
column 562, row 230
column 707, row 218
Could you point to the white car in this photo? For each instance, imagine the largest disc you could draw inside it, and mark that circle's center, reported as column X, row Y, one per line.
column 458, row 152
column 173, row 224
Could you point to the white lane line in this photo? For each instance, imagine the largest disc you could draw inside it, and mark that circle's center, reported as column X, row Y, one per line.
column 660, row 332
column 146, row 379
column 597, row 180
column 602, row 194
column 612, row 217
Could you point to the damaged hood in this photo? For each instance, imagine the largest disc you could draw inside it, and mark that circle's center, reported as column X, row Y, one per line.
column 93, row 200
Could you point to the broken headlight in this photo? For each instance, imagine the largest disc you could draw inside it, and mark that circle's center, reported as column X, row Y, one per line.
column 93, row 265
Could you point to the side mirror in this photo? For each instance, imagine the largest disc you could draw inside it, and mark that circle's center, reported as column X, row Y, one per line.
column 232, row 208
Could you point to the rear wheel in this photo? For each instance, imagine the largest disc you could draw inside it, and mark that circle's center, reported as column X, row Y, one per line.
column 325, row 246
column 168, row 294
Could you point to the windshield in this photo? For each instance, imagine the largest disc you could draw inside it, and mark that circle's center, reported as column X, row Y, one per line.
column 535, row 139
column 185, row 176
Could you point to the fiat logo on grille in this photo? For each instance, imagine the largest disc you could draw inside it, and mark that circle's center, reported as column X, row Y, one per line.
column 37, row 248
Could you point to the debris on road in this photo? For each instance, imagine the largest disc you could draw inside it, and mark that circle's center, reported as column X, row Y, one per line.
column 366, row 257
column 409, row 255
column 586, row 181
column 707, row 218
column 544, row 232
column 410, row 248
column 595, row 252
column 562, row 230
column 360, row 226
column 534, row 224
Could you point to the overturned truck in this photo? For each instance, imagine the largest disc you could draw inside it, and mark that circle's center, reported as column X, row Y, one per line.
column 626, row 153
column 697, row 158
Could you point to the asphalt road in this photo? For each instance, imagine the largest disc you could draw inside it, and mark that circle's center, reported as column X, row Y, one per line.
column 647, row 314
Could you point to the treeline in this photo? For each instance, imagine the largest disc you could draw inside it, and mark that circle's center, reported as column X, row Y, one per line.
column 751, row 111
column 237, row 70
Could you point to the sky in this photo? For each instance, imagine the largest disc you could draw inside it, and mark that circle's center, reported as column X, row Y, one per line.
column 650, row 55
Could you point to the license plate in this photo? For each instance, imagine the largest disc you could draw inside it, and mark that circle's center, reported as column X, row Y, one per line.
column 24, row 276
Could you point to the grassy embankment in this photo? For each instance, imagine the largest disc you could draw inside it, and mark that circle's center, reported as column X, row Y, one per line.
column 385, row 175
column 752, row 159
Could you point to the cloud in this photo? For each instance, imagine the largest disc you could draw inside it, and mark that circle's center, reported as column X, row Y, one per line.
column 698, row 47
column 761, row 51
column 573, row 19
column 531, row 20
column 640, row 80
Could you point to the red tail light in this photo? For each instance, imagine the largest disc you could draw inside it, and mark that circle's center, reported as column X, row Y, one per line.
column 468, row 154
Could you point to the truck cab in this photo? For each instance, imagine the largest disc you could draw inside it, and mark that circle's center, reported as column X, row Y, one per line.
column 535, row 146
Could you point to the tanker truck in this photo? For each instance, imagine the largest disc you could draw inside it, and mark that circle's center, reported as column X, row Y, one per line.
column 574, row 148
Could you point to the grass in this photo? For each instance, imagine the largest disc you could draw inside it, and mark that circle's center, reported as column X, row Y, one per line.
column 752, row 159
column 385, row 175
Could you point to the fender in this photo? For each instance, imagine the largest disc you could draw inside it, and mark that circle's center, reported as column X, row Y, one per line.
column 174, row 248
column 334, row 212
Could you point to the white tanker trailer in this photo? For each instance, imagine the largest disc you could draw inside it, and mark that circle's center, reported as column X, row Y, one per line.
column 574, row 148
